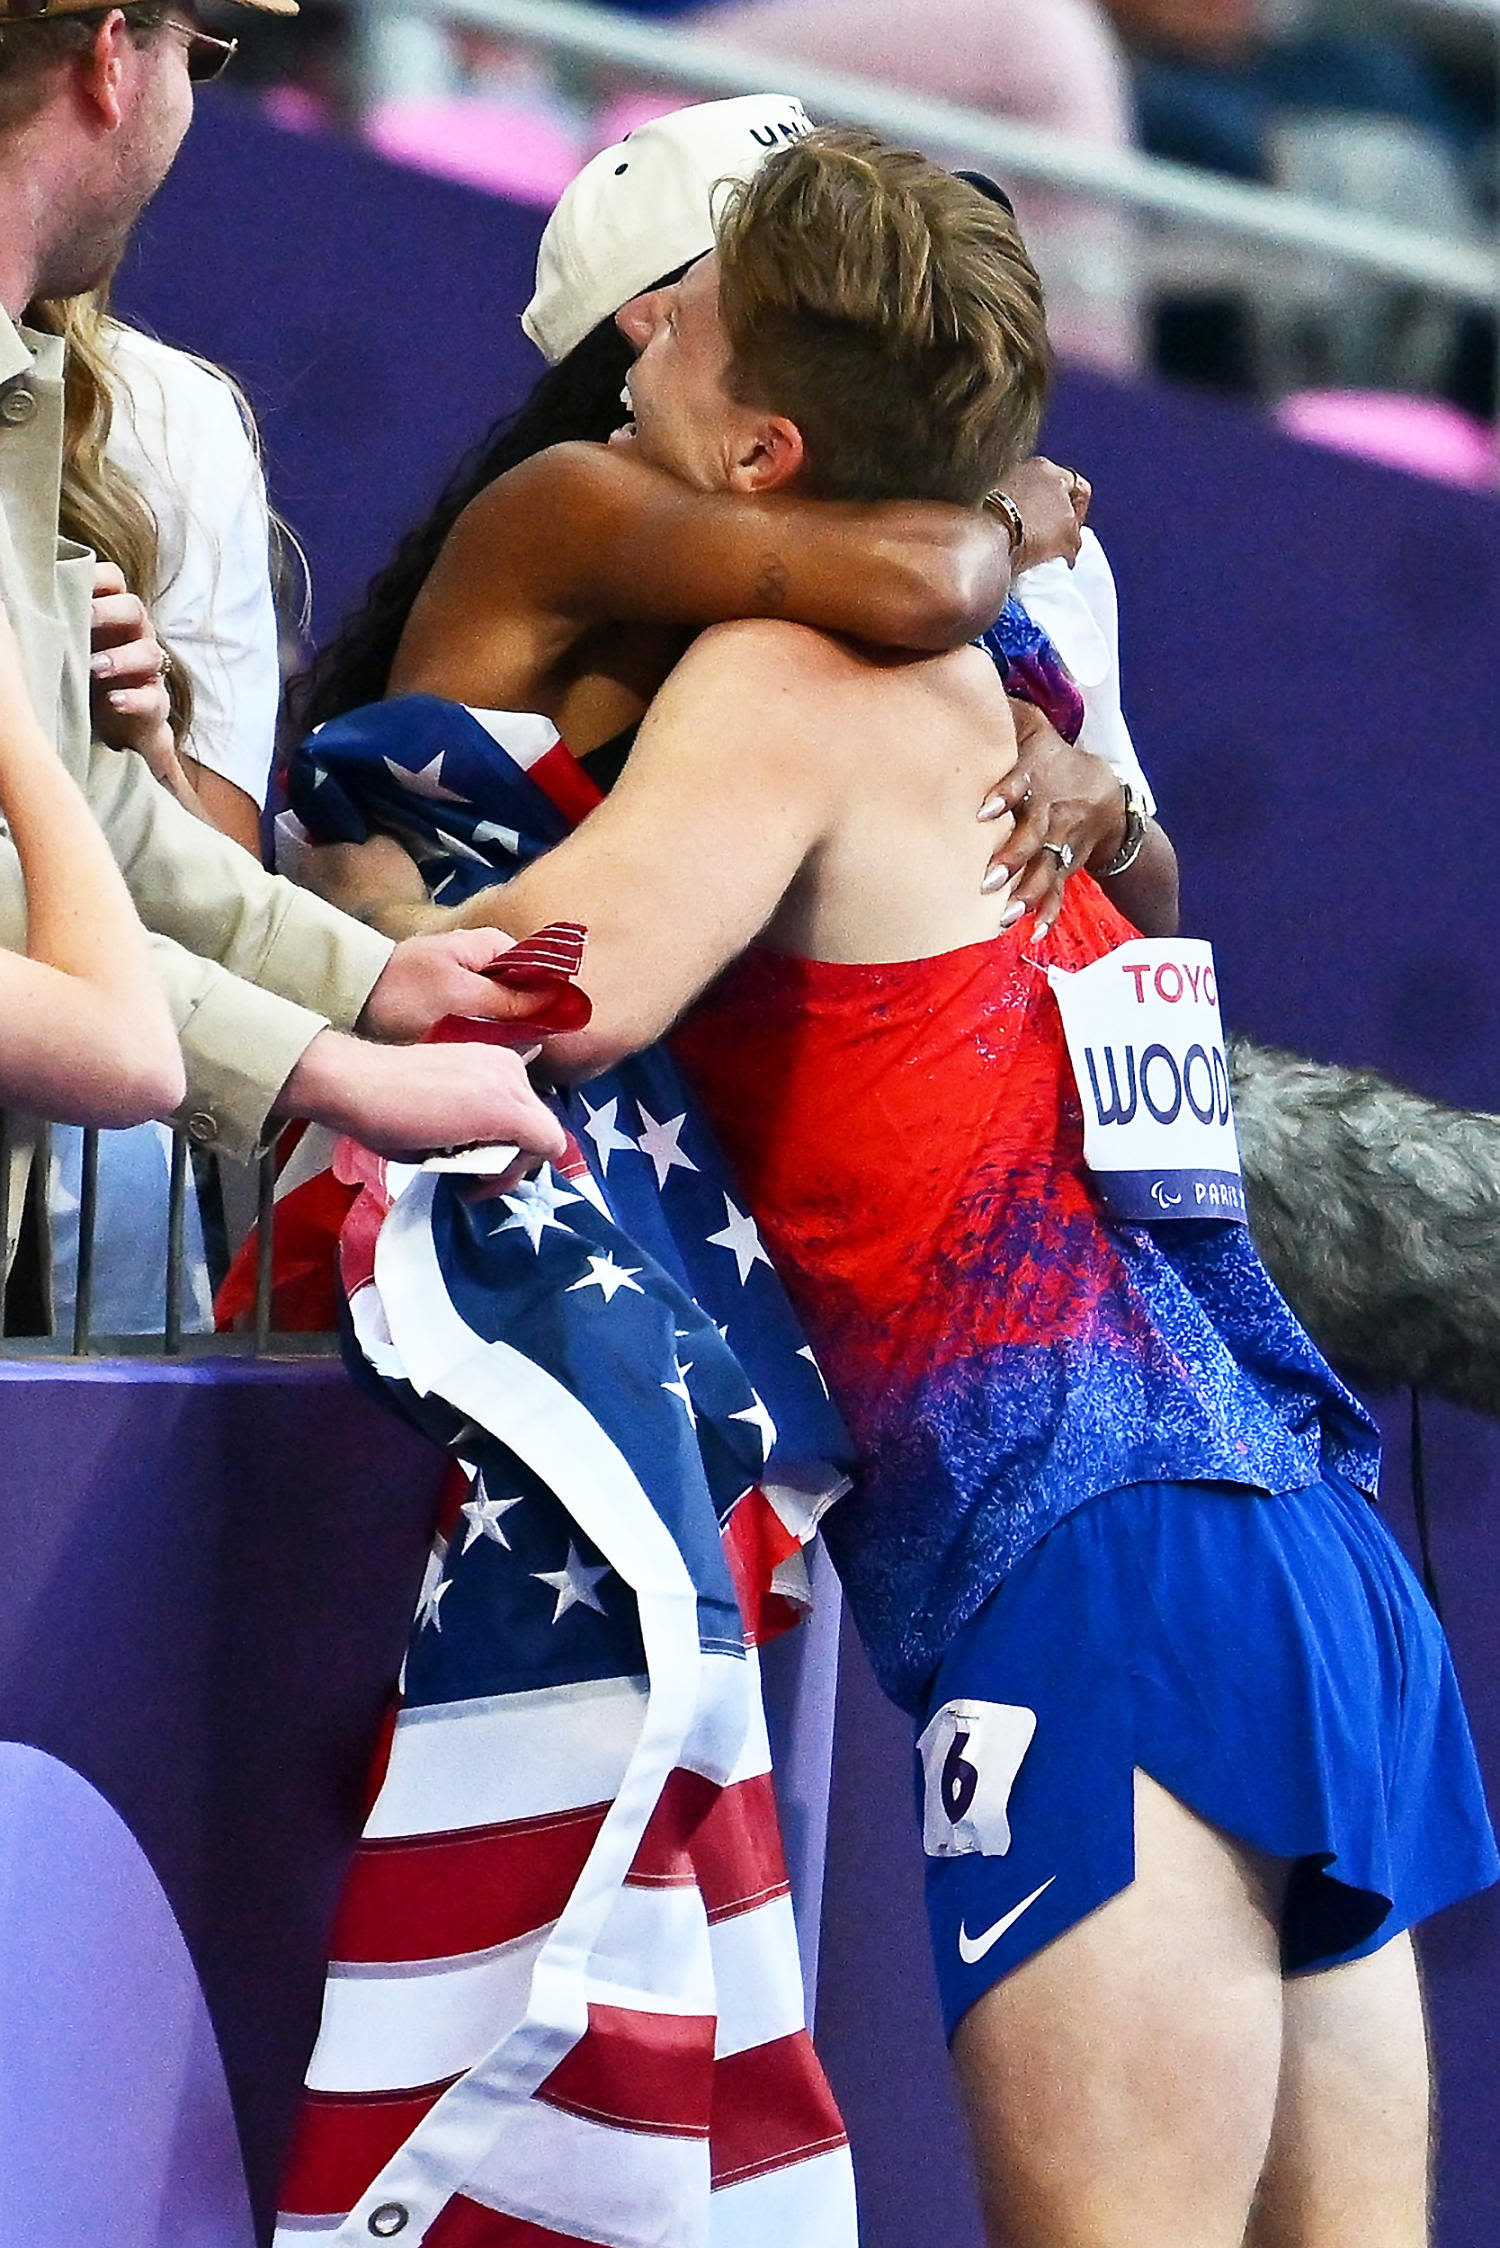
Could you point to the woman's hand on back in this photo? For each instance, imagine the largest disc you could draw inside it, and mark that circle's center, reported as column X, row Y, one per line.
column 1066, row 807
column 1053, row 504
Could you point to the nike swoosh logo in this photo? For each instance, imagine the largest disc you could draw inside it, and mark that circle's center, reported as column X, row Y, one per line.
column 973, row 1948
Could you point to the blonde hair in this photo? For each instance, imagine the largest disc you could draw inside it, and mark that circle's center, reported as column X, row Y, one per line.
column 890, row 310
column 100, row 506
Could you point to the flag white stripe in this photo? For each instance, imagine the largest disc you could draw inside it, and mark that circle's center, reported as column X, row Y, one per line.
column 613, row 2186
column 484, row 1762
column 800, row 1511
column 391, row 2032
column 757, row 1977
column 726, row 1756
column 812, row 2200
column 488, row 1761
column 524, row 735
column 653, row 1954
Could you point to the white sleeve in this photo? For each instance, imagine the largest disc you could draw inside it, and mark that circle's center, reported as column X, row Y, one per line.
column 179, row 435
column 1079, row 611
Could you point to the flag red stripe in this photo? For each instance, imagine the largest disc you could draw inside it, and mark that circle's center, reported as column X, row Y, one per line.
column 663, row 1859
column 772, row 2106
column 761, row 2110
column 468, row 2224
column 756, row 1542
column 640, row 2072
column 727, row 1840
column 345, row 2140
column 304, row 1296
column 436, row 1896
column 563, row 781
column 737, row 1851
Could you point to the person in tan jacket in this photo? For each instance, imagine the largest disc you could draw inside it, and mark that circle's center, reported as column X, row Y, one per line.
column 264, row 981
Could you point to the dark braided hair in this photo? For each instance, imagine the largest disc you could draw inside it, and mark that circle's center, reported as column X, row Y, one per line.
column 578, row 398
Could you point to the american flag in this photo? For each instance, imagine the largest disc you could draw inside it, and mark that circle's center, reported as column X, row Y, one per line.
column 565, row 2002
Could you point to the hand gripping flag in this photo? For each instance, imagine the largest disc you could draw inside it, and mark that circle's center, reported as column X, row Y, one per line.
column 565, row 2002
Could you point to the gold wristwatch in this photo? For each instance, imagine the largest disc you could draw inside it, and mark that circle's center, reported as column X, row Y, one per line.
column 1137, row 820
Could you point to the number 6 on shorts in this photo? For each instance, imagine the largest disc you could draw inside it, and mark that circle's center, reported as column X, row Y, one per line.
column 971, row 1753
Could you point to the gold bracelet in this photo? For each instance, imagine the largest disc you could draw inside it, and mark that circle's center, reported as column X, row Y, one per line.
column 1001, row 504
column 1137, row 820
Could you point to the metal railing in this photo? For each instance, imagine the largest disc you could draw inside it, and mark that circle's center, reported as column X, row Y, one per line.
column 75, row 1335
column 1451, row 267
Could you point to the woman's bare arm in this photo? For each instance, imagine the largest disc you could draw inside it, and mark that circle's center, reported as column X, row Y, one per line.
column 590, row 534
column 1147, row 893
column 87, row 1037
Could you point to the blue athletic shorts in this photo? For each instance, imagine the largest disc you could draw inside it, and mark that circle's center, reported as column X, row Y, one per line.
column 1272, row 1662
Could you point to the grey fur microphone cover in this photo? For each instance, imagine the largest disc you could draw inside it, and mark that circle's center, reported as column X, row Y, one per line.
column 1378, row 1214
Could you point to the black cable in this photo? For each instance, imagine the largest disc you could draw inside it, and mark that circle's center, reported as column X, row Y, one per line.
column 1419, row 1506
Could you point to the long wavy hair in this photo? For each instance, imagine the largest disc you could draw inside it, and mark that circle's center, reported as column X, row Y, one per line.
column 100, row 506
column 578, row 398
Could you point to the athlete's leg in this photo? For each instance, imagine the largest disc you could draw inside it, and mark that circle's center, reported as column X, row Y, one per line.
column 1348, row 2163
column 1121, row 2084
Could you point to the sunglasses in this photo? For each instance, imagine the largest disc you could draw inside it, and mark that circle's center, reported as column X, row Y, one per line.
column 207, row 58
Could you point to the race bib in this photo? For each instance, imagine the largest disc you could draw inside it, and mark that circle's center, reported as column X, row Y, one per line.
column 1147, row 1049
column 971, row 1752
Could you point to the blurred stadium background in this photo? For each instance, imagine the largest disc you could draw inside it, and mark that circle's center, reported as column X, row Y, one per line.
column 1273, row 197
column 1269, row 233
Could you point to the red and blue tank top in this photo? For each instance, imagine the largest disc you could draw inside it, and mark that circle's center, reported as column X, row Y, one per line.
column 911, row 1143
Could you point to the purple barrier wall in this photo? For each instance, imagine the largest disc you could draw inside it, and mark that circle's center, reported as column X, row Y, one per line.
column 1311, row 651
column 210, row 1572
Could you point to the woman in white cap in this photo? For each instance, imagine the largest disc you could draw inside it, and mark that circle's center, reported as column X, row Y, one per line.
column 908, row 576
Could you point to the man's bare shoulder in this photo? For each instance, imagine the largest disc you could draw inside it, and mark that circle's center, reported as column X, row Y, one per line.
column 762, row 690
column 747, row 701
column 780, row 654
column 782, row 661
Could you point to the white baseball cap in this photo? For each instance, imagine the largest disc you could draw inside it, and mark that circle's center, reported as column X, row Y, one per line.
column 643, row 208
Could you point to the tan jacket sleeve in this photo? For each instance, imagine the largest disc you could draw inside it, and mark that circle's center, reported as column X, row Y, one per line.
column 240, row 1045
column 257, row 967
